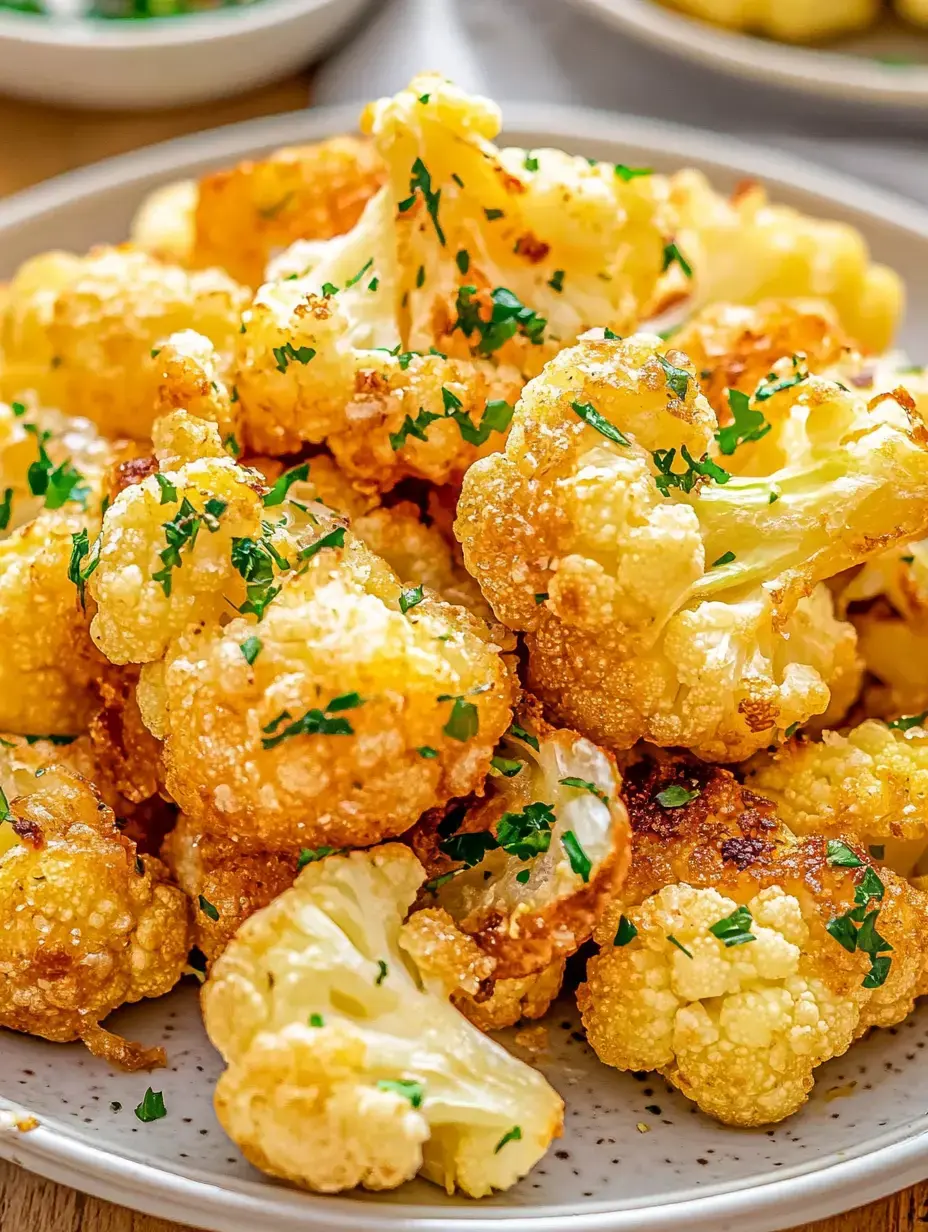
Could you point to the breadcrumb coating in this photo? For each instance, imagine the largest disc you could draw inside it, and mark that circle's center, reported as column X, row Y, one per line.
column 319, row 739
column 870, row 782
column 86, row 925
column 679, row 606
column 720, row 962
column 346, row 1064
column 80, row 331
column 405, row 342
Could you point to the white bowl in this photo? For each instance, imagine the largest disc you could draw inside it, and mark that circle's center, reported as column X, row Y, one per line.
column 864, row 1132
column 164, row 61
column 887, row 65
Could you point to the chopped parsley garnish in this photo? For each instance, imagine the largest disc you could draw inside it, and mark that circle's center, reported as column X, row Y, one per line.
column 413, row 1091
column 684, row 480
column 673, row 941
column 382, row 970
column 626, row 932
column 182, row 532
column 152, row 1107
column 314, row 722
column 508, row 317
column 856, row 929
column 521, row 734
column 772, row 384
column 906, row 722
column 283, row 484
column 673, row 255
column 420, row 276
column 632, row 173
column 506, row 766
column 4, row 806
column 250, row 648
column 18, row 409
column 464, row 720
column 523, row 875
column 676, row 796
column 413, row 427
column 746, row 425
column 207, row 908
column 469, row 849
column 288, row 353
column 792, row 729
column 427, row 751
column 526, row 834
column 493, row 214
column 463, row 260
column 511, row 1135
column 530, row 162
column 838, row 853
column 725, row 559
column 678, row 379
column 611, row 336
column 435, row 883
column 497, row 415
column 6, row 508
column 254, row 559
column 592, row 418
column 410, row 597
column 735, row 929
column 78, row 572
column 556, row 281
column 421, row 182
column 360, row 274
column 168, row 491
column 334, row 539
column 585, row 785
column 230, row 443
column 579, row 860
column 329, row 288
column 541, row 596
column 877, row 851
column 309, row 855
column 316, row 1020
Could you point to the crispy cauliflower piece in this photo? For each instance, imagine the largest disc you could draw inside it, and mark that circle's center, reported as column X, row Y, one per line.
column 896, row 655
column 86, row 925
column 346, row 1064
column 731, row 960
column 80, row 331
column 679, row 606
column 405, row 342
column 790, row 21
column 745, row 250
column 871, row 782
column 526, row 868
column 349, row 719
column 245, row 214
column 163, row 224
column 190, row 378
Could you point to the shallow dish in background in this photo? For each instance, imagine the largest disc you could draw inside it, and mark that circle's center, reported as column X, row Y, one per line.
column 635, row 1156
column 887, row 65
column 164, row 61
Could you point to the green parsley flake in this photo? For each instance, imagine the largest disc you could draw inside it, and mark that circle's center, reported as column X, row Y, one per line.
column 492, row 215
column 464, row 720
column 678, row 379
column 676, row 796
column 413, row 1091
column 725, row 559
column 673, row 255
column 792, row 729
column 310, row 855
column 410, row 598
column 508, row 317
column 633, row 173
column 523, row 875
column 181, row 532
column 283, row 484
column 734, row 929
column 463, row 260
column 413, row 427
column 427, row 752
column 907, row 721
column 78, row 572
column 682, row 948
column 334, row 539
column 684, row 480
column 626, row 932
column 506, row 766
column 541, row 596
column 382, row 970
column 152, row 1107
column 839, row 854
column 207, row 908
column 526, row 834
column 329, row 288
column 250, row 648
column 579, row 860
column 6, row 508
column 168, row 491
column 877, row 851
column 4, row 806
column 421, row 182
column 746, row 425
column 856, row 929
column 435, row 883
column 314, row 722
column 772, row 384
column 592, row 418
column 360, row 274
column 287, row 354
column 316, row 1020
column 511, row 1135
column 230, row 444
column 530, row 162
column 521, row 734
column 255, row 559
column 585, row 785
column 556, row 281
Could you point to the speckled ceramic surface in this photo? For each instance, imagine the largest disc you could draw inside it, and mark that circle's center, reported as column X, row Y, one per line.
column 635, row 1157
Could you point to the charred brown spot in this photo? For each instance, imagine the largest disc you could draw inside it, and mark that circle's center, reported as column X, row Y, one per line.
column 29, row 831
column 532, row 248
column 130, row 472
column 742, row 852
column 759, row 713
column 367, row 381
column 51, row 964
column 643, row 783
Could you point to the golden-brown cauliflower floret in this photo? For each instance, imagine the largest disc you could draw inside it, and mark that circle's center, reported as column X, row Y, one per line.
column 339, row 718
column 896, row 655
column 190, row 378
column 346, row 1064
column 871, row 782
column 405, row 342
column 734, row 346
column 81, row 331
column 163, row 224
column 792, row 21
column 245, row 214
column 526, row 868
column 86, row 925
column 663, row 598
column 745, row 250
column 737, row 958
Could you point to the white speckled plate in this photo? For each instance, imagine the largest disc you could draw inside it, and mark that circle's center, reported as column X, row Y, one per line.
column 885, row 65
column 635, row 1157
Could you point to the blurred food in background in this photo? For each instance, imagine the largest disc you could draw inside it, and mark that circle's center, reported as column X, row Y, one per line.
column 797, row 21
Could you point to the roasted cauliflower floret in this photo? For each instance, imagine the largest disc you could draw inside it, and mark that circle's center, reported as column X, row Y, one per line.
column 405, row 342
column 790, row 21
column 352, row 707
column 81, row 331
column 871, row 782
column 346, row 1065
column 669, row 602
column 745, row 249
column 163, row 224
column 244, row 215
column 525, row 868
column 86, row 925
column 737, row 958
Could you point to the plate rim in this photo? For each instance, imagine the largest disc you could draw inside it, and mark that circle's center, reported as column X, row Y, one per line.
column 804, row 69
column 899, row 1158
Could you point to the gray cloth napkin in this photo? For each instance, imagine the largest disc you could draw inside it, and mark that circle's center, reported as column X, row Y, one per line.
column 550, row 51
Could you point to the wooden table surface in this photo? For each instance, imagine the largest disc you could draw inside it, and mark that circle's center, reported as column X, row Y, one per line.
column 37, row 142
